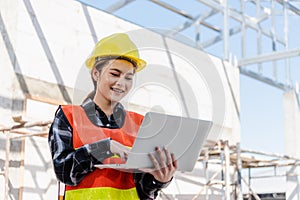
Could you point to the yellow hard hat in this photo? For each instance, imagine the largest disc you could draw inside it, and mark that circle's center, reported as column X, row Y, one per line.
column 118, row 44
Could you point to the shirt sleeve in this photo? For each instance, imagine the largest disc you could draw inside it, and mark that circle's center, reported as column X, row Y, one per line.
column 147, row 186
column 71, row 165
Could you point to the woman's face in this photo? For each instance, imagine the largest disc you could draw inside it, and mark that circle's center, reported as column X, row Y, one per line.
column 115, row 80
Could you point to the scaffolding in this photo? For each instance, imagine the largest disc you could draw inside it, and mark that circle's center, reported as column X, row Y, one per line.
column 20, row 130
column 249, row 22
column 231, row 159
column 234, row 22
column 259, row 42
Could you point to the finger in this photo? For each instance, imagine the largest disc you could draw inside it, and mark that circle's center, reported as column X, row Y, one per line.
column 125, row 156
column 126, row 149
column 161, row 158
column 122, row 156
column 168, row 156
column 146, row 170
column 155, row 163
column 174, row 161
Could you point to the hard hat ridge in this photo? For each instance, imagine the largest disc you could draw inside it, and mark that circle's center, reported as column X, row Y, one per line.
column 116, row 45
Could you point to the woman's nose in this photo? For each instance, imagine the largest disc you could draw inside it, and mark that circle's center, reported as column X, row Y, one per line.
column 120, row 81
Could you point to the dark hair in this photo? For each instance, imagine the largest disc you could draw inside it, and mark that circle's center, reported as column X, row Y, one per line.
column 100, row 63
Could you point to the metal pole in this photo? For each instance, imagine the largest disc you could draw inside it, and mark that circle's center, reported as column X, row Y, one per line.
column 7, row 166
column 225, row 31
column 258, row 36
column 286, row 40
column 274, row 38
column 239, row 193
column 249, row 184
column 222, row 172
column 251, row 191
column 198, row 43
column 22, row 168
column 206, row 175
column 243, row 31
column 227, row 170
column 208, row 183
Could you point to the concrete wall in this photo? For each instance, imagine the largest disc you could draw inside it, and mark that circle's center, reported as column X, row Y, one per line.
column 43, row 46
column 292, row 142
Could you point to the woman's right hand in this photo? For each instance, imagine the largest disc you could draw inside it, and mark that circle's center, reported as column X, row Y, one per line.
column 119, row 149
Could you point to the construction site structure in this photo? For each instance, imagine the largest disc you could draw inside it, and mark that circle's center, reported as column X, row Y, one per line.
column 223, row 166
column 42, row 67
column 230, row 180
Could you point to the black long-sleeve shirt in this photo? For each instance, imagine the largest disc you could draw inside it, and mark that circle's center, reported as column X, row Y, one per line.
column 72, row 165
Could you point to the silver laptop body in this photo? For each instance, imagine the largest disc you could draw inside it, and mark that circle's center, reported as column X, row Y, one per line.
column 180, row 135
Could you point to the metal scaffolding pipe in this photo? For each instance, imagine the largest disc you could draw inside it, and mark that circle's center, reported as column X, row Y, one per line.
column 225, row 31
column 251, row 191
column 286, row 38
column 118, row 5
column 206, row 175
column 239, row 194
column 243, row 38
column 269, row 57
column 227, row 170
column 270, row 154
column 26, row 125
column 273, row 39
column 208, row 183
column 258, row 36
column 249, row 22
column 6, row 172
column 184, row 14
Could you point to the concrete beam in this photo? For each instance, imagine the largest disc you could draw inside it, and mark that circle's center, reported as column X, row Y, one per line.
column 292, row 141
column 45, row 91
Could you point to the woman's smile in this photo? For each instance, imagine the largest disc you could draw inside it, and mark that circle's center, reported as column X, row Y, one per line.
column 117, row 90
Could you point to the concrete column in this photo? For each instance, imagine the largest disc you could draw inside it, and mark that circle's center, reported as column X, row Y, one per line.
column 292, row 142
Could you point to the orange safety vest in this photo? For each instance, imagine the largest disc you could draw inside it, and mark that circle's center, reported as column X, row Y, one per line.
column 102, row 183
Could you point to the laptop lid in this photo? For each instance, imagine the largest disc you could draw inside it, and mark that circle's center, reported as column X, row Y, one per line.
column 180, row 135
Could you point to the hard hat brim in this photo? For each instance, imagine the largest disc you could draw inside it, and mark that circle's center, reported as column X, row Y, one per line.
column 140, row 63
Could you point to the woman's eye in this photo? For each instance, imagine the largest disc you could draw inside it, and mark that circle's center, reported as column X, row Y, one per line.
column 128, row 78
column 114, row 74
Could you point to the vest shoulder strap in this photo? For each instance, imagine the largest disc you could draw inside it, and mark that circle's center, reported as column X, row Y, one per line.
column 69, row 110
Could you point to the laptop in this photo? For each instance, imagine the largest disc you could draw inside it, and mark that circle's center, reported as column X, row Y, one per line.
column 180, row 135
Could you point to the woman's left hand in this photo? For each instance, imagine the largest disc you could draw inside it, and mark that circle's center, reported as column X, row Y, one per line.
column 163, row 169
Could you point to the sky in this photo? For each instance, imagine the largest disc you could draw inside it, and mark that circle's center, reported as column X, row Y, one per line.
column 262, row 114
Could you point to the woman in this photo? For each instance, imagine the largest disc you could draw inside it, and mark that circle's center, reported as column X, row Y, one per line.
column 101, row 131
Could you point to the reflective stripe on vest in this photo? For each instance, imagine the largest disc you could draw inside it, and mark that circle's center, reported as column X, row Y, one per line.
column 101, row 193
column 107, row 183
